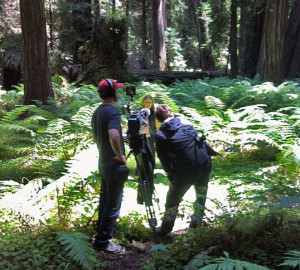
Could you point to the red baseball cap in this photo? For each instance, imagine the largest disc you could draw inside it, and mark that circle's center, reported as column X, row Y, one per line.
column 104, row 85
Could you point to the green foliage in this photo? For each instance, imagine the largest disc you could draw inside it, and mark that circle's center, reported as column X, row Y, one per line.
column 132, row 228
column 50, row 134
column 259, row 138
column 158, row 247
column 226, row 263
column 78, row 247
column 175, row 58
column 292, row 259
column 20, row 251
column 8, row 100
column 197, row 262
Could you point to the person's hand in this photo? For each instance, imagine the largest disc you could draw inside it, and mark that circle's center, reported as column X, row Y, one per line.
column 122, row 159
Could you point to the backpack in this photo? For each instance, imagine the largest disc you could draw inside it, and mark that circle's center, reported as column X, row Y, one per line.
column 202, row 147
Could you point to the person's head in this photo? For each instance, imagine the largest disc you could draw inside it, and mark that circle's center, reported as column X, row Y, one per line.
column 108, row 89
column 162, row 112
column 147, row 102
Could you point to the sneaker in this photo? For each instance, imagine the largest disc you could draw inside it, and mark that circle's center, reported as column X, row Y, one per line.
column 113, row 248
column 109, row 247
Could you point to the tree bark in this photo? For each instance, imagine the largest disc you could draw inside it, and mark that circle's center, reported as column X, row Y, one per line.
column 251, row 27
column 37, row 79
column 270, row 62
column 292, row 48
column 195, row 5
column 144, row 26
column 233, row 40
column 158, row 38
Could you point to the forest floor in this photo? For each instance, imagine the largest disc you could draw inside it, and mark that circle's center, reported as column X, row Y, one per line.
column 134, row 254
column 131, row 259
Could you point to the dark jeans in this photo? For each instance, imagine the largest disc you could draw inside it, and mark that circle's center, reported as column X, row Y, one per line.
column 179, row 185
column 112, row 184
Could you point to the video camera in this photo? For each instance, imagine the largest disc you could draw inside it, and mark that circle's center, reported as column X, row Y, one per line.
column 137, row 118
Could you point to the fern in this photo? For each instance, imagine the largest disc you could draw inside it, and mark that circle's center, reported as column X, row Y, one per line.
column 287, row 202
column 78, row 247
column 213, row 102
column 15, row 114
column 225, row 263
column 292, row 259
column 198, row 261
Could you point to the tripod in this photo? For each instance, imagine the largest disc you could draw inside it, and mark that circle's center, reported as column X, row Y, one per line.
column 145, row 162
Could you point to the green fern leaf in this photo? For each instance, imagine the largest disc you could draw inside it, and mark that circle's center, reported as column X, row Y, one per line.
column 197, row 262
column 15, row 114
column 287, row 202
column 158, row 247
column 292, row 259
column 225, row 263
column 78, row 247
column 213, row 102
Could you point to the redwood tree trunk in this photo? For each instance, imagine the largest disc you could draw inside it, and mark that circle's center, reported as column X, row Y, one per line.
column 251, row 27
column 292, row 48
column 37, row 79
column 158, row 38
column 270, row 62
column 233, row 40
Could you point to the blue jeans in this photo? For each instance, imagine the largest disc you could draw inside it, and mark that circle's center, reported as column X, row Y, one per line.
column 179, row 185
column 112, row 184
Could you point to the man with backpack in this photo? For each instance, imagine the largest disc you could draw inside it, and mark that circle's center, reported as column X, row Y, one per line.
column 186, row 158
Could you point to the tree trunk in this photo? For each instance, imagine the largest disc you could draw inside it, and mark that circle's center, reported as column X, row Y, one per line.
column 251, row 27
column 144, row 26
column 82, row 24
column 292, row 48
column 37, row 80
column 270, row 63
column 50, row 24
column 233, row 39
column 158, row 38
column 195, row 5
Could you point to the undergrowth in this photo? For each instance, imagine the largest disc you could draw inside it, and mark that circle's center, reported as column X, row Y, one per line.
column 256, row 126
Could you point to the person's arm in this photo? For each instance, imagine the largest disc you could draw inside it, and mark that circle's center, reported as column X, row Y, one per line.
column 114, row 138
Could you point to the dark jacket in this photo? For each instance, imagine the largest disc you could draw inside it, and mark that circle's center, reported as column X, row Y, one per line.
column 177, row 148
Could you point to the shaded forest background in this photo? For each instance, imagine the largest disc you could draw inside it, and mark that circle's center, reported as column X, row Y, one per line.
column 88, row 40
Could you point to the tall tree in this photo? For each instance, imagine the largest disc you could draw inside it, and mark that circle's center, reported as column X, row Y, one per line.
column 37, row 79
column 233, row 39
column 158, row 38
column 251, row 27
column 270, row 62
column 292, row 47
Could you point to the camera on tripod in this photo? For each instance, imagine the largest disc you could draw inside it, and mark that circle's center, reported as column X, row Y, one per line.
column 144, row 158
column 137, row 118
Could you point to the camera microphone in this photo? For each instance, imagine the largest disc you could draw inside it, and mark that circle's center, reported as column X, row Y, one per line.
column 146, row 112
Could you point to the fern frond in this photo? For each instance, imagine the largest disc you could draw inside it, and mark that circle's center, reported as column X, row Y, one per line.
column 225, row 263
column 16, row 128
column 78, row 247
column 287, row 202
column 84, row 115
column 15, row 114
column 197, row 262
column 292, row 259
column 213, row 102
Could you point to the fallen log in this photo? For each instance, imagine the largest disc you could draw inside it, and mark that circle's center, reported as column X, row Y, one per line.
column 169, row 77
